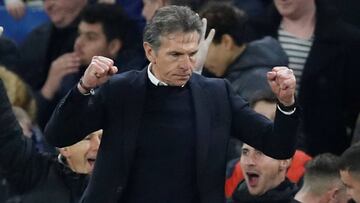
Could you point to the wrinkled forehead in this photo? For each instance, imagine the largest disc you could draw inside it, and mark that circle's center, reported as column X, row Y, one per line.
column 183, row 36
column 180, row 37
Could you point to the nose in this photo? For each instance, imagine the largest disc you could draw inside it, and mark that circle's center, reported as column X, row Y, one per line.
column 187, row 62
column 95, row 143
column 248, row 160
column 78, row 42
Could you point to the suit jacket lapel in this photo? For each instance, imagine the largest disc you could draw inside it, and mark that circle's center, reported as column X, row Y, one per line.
column 202, row 122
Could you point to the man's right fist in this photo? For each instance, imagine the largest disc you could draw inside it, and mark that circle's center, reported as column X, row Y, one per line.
column 97, row 73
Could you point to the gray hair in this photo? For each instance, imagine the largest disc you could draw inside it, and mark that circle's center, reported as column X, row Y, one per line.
column 171, row 19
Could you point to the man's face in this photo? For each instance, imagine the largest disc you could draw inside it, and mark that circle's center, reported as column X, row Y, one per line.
column 175, row 59
column 82, row 155
column 261, row 172
column 292, row 8
column 90, row 42
column 352, row 185
column 150, row 6
column 214, row 60
column 63, row 12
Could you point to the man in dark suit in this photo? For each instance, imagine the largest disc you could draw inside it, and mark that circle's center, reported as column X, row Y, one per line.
column 166, row 130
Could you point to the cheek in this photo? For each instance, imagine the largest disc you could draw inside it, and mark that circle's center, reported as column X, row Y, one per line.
column 95, row 48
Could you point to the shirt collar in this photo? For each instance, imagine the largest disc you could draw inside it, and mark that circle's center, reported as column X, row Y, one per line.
column 153, row 79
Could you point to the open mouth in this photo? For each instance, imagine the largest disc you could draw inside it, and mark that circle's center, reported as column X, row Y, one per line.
column 91, row 161
column 253, row 178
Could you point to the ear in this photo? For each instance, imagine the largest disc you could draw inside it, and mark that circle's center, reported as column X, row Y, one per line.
column 65, row 152
column 114, row 47
column 331, row 194
column 227, row 41
column 149, row 52
column 284, row 164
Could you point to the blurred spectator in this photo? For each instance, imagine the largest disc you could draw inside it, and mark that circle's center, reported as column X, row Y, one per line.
column 350, row 171
column 105, row 30
column 39, row 178
column 16, row 8
column 133, row 9
column 19, row 92
column 265, row 179
column 9, row 53
column 18, row 29
column 322, row 183
column 321, row 52
column 53, row 60
column 25, row 108
column 264, row 103
column 245, row 65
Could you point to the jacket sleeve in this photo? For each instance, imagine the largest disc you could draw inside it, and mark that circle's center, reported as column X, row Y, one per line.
column 20, row 163
column 277, row 140
column 75, row 117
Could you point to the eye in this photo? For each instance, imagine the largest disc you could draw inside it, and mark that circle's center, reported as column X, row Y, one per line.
column 258, row 153
column 175, row 54
column 193, row 53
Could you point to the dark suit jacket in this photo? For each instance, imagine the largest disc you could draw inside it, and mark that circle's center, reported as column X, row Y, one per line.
column 117, row 108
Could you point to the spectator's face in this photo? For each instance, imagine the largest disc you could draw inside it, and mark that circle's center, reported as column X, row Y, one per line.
column 63, row 12
column 215, row 59
column 174, row 61
column 92, row 41
column 150, row 6
column 82, row 155
column 262, row 173
column 352, row 184
column 293, row 8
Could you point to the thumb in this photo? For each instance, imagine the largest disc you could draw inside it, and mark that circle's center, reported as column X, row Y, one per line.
column 203, row 28
column 210, row 36
column 271, row 75
column 113, row 70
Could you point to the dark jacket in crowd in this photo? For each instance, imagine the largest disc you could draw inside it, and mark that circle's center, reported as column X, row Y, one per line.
column 35, row 177
column 43, row 45
column 329, row 88
column 248, row 73
column 283, row 193
column 9, row 53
